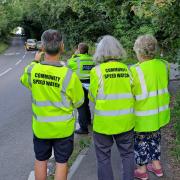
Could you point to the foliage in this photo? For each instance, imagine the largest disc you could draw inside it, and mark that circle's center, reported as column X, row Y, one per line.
column 175, row 116
column 11, row 14
column 84, row 20
column 3, row 47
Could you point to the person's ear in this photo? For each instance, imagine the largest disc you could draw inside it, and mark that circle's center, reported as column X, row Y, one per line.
column 61, row 47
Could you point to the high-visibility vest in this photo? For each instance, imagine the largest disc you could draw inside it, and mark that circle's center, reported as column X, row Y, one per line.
column 54, row 96
column 110, row 91
column 150, row 87
column 81, row 64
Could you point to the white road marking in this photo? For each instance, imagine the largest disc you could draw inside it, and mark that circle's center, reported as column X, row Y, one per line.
column 9, row 54
column 6, row 71
column 33, row 52
column 18, row 62
column 24, row 56
column 12, row 54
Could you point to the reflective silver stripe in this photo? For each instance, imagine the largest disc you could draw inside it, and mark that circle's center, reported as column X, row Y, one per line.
column 90, row 94
column 29, row 74
column 130, row 75
column 79, row 66
column 47, row 103
column 66, row 81
column 114, row 112
column 151, row 112
column 52, row 118
column 101, row 83
column 114, row 96
column 79, row 103
column 152, row 94
column 78, row 71
column 142, row 80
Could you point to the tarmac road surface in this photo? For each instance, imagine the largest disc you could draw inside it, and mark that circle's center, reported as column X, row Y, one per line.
column 16, row 147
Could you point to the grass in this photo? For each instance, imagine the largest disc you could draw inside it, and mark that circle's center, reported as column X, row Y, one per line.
column 3, row 47
column 176, row 118
column 80, row 143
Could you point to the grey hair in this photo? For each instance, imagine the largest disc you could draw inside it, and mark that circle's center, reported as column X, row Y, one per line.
column 109, row 48
column 146, row 45
column 51, row 41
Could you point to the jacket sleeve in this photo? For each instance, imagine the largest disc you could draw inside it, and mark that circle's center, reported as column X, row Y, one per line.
column 75, row 91
column 26, row 76
column 71, row 63
column 93, row 88
column 133, row 74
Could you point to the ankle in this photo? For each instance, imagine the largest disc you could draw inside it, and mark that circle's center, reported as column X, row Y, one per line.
column 156, row 164
column 142, row 169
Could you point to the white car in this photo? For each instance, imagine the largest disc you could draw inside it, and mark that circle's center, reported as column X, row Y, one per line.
column 31, row 44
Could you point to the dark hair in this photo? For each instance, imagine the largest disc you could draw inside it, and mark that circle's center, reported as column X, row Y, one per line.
column 51, row 40
column 83, row 48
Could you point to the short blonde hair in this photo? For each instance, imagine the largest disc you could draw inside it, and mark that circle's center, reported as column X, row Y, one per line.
column 146, row 45
column 109, row 48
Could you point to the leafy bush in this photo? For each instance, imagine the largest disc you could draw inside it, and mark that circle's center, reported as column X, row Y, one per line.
column 84, row 20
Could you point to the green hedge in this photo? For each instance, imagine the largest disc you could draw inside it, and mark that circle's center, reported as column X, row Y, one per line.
column 3, row 47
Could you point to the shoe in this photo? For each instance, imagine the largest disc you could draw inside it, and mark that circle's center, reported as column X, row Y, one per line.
column 142, row 176
column 157, row 172
column 81, row 131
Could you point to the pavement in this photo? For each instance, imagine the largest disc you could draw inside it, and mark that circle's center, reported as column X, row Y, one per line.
column 87, row 169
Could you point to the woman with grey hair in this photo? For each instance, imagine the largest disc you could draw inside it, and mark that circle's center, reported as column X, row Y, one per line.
column 150, row 88
column 110, row 91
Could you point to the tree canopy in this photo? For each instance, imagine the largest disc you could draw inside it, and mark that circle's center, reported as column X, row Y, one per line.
column 84, row 20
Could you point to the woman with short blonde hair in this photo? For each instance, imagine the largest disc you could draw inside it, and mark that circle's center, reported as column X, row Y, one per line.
column 151, row 109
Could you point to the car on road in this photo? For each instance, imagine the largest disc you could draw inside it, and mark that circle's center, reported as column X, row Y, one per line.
column 31, row 44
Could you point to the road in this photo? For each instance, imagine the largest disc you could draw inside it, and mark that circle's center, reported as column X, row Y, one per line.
column 16, row 148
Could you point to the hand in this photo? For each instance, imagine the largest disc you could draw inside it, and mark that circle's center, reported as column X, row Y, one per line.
column 38, row 56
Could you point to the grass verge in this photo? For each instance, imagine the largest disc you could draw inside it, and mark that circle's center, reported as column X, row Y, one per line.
column 3, row 47
column 175, row 113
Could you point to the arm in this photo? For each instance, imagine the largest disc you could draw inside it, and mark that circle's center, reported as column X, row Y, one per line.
column 75, row 91
column 26, row 76
column 93, row 88
column 71, row 63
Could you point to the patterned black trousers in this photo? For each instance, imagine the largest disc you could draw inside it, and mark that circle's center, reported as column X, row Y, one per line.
column 147, row 147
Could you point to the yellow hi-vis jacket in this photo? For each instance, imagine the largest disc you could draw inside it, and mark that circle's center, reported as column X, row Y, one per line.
column 110, row 91
column 56, row 91
column 82, row 65
column 150, row 87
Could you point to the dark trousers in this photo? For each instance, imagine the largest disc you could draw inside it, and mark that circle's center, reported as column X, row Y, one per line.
column 103, row 144
column 84, row 116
